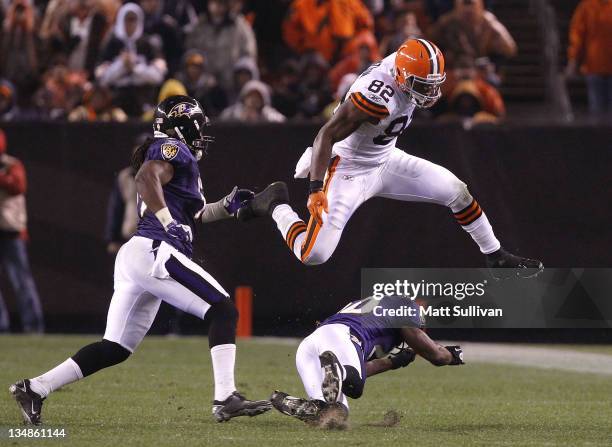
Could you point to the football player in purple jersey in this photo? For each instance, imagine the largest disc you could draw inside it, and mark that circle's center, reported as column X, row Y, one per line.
column 366, row 337
column 155, row 265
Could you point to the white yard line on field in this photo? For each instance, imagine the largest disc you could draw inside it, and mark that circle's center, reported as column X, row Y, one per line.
column 513, row 354
column 538, row 357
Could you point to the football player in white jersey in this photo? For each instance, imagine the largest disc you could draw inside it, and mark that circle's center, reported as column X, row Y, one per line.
column 354, row 158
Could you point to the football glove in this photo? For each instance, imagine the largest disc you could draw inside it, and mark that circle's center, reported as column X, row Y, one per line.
column 317, row 203
column 457, row 354
column 180, row 232
column 402, row 359
column 237, row 199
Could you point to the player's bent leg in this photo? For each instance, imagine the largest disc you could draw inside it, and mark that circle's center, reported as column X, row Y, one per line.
column 189, row 287
column 410, row 178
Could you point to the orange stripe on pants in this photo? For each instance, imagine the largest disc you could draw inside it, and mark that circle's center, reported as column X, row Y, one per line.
column 313, row 227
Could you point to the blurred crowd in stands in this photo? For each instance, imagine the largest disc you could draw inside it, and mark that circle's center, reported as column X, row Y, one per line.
column 246, row 60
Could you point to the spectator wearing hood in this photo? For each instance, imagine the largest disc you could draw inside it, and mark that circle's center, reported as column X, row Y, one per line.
column 13, row 250
column 78, row 37
column 172, row 87
column 201, row 84
column 245, row 70
column 18, row 58
column 97, row 106
column 224, row 38
column 133, row 64
column 253, row 106
column 166, row 27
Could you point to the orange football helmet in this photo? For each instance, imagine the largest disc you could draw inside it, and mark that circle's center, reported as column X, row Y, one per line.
column 419, row 71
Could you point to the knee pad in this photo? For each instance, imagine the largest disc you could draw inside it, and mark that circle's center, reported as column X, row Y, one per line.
column 99, row 355
column 224, row 317
column 462, row 197
column 353, row 384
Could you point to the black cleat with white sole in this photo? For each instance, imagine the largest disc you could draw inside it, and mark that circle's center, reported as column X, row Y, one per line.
column 302, row 409
column 237, row 405
column 505, row 265
column 332, row 376
column 315, row 413
column 264, row 202
column 29, row 402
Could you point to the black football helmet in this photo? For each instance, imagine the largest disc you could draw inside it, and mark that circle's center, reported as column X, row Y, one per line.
column 183, row 118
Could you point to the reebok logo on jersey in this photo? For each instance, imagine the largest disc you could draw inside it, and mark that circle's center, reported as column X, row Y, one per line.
column 375, row 98
column 169, row 151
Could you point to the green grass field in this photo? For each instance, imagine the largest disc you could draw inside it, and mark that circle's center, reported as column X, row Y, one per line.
column 162, row 397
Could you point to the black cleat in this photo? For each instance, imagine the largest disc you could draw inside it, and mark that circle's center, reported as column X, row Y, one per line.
column 264, row 202
column 237, row 405
column 302, row 409
column 504, row 265
column 332, row 376
column 29, row 402
column 315, row 413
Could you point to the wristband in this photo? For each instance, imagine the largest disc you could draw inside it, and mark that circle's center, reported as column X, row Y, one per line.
column 164, row 217
column 315, row 186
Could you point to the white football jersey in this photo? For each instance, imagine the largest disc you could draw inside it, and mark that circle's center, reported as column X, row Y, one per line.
column 376, row 93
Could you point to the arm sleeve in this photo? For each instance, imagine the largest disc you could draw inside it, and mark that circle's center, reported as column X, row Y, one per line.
column 214, row 211
column 14, row 180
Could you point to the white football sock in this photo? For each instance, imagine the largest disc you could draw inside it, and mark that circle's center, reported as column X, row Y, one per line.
column 291, row 227
column 61, row 375
column 223, row 360
column 482, row 233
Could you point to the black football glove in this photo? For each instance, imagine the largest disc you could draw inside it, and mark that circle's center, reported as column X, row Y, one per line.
column 402, row 359
column 457, row 354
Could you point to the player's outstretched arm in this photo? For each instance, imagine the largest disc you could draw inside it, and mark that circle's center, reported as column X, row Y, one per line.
column 343, row 123
column 431, row 351
column 227, row 206
column 400, row 360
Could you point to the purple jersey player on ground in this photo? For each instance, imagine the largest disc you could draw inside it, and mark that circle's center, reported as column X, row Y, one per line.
column 156, row 265
column 366, row 337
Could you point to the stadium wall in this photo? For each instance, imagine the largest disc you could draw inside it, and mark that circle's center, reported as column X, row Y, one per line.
column 546, row 189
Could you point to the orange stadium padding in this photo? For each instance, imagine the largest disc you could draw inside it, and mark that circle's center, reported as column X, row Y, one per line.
column 244, row 303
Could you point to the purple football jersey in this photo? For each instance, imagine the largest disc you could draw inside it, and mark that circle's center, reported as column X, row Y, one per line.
column 377, row 322
column 183, row 194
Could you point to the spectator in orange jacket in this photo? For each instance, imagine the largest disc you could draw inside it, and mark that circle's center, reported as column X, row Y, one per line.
column 325, row 26
column 590, row 48
column 361, row 53
column 13, row 234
